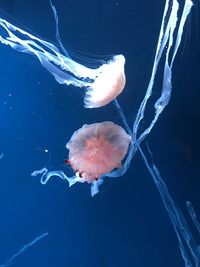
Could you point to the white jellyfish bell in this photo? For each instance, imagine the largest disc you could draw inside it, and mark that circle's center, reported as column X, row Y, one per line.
column 108, row 84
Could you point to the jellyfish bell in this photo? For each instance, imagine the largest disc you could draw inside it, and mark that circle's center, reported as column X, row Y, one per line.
column 96, row 149
column 108, row 84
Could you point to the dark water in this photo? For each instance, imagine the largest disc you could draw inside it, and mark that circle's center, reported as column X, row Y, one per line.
column 126, row 223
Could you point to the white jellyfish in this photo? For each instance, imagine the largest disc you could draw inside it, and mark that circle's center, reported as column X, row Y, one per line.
column 102, row 84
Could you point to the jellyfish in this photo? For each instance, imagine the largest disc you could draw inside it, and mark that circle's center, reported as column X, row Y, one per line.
column 170, row 37
column 102, row 84
column 96, row 149
column 96, row 152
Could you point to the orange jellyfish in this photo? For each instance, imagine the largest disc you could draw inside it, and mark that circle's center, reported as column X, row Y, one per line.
column 96, row 149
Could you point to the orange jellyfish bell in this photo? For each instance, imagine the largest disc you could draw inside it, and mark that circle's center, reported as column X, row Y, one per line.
column 96, row 149
column 108, row 84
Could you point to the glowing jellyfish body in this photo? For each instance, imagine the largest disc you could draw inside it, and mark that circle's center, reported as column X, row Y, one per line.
column 97, row 149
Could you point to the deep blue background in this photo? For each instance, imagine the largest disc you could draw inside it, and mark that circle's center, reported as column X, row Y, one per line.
column 126, row 223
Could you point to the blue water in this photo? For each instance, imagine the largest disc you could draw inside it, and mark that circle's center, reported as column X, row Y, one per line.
column 126, row 223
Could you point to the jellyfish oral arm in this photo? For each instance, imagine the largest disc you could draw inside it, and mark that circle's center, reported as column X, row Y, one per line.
column 48, row 54
column 46, row 175
column 166, row 36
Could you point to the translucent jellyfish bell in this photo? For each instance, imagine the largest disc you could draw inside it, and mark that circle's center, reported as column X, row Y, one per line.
column 108, row 84
column 97, row 149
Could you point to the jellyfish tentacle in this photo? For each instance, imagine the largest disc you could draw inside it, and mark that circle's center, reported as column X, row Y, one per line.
column 163, row 100
column 46, row 175
column 58, row 38
column 25, row 247
column 187, row 243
